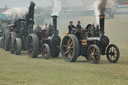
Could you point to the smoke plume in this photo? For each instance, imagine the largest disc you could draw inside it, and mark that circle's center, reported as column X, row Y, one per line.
column 56, row 7
column 100, row 8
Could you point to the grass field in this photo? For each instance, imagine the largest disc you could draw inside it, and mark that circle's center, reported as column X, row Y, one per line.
column 23, row 70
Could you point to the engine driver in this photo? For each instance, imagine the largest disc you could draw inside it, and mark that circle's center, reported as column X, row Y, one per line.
column 78, row 26
column 71, row 28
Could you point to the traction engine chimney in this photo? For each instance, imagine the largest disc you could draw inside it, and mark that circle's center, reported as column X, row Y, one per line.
column 54, row 17
column 102, row 23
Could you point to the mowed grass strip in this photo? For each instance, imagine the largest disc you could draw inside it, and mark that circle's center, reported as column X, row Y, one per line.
column 23, row 70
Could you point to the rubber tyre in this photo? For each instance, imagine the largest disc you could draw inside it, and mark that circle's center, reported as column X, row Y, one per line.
column 92, row 57
column 17, row 46
column 118, row 53
column 32, row 45
column 45, row 48
column 75, row 46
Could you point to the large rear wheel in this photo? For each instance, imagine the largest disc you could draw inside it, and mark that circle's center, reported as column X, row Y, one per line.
column 94, row 54
column 113, row 53
column 70, row 48
column 33, row 45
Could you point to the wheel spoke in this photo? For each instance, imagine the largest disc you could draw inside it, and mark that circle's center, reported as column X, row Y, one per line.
column 65, row 45
column 66, row 40
column 94, row 50
column 111, row 57
column 71, row 51
column 66, row 52
column 71, row 43
column 112, row 53
column 110, row 49
column 71, row 47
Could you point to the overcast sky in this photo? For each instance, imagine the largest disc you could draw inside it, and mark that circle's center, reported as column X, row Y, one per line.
column 42, row 3
column 24, row 3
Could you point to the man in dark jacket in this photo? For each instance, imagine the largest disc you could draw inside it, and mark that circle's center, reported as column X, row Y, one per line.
column 71, row 27
column 78, row 26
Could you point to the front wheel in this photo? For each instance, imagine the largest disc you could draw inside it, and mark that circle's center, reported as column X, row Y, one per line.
column 94, row 54
column 113, row 53
column 12, row 39
column 17, row 46
column 45, row 51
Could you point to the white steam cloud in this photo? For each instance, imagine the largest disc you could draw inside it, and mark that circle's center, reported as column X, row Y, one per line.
column 15, row 12
column 56, row 7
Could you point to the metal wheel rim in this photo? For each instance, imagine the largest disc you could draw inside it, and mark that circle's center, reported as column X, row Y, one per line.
column 113, row 54
column 44, row 52
column 93, row 54
column 68, row 47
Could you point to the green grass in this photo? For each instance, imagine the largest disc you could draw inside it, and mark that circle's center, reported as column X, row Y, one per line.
column 23, row 70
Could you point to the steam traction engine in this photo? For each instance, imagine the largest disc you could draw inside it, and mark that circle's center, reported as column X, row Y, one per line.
column 5, row 30
column 21, row 29
column 45, row 42
column 90, row 43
